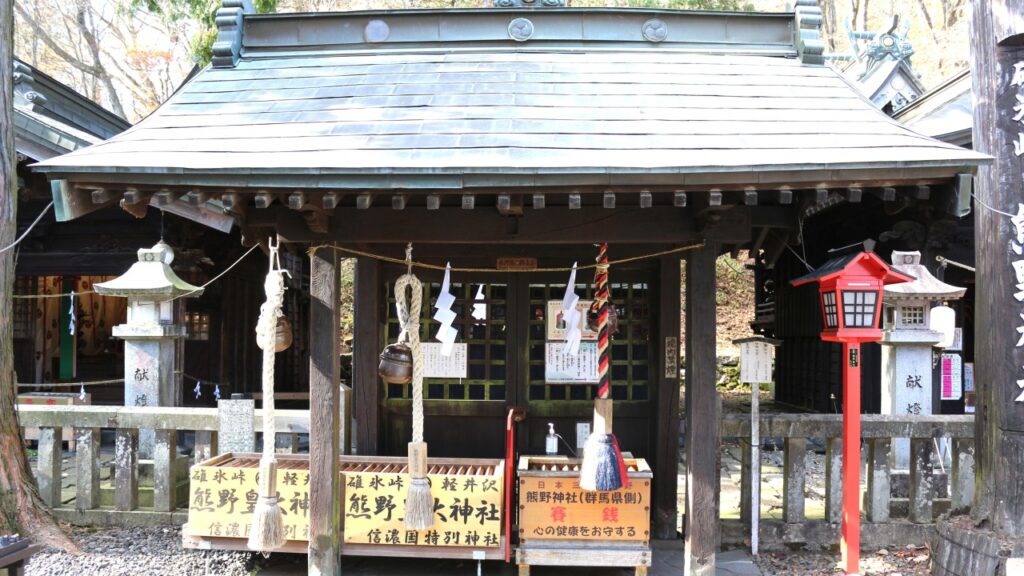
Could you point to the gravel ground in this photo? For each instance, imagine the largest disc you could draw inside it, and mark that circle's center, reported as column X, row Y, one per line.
column 909, row 561
column 136, row 552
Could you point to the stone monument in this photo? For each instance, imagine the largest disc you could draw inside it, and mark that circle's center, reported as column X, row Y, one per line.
column 150, row 332
column 907, row 344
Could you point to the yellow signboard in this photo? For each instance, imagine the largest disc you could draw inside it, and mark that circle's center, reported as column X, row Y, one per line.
column 555, row 508
column 221, row 501
column 467, row 510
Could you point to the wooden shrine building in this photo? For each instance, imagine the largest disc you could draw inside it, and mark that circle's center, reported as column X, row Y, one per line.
column 52, row 119
column 517, row 138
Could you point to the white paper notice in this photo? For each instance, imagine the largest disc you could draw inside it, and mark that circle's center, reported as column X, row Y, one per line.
column 756, row 362
column 562, row 368
column 437, row 365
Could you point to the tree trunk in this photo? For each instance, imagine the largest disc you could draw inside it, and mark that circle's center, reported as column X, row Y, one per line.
column 21, row 508
column 996, row 54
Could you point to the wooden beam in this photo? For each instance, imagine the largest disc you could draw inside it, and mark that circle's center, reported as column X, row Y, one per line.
column 297, row 200
column 820, row 195
column 324, row 368
column 538, row 201
column 714, row 198
column 398, row 202
column 329, row 201
column 785, row 196
column 166, row 197
column 264, row 200
column 853, row 195
column 457, row 226
column 317, row 221
column 135, row 202
column 646, row 199
column 702, row 434
column 888, row 194
column 922, row 192
column 433, row 202
column 101, row 196
column 364, row 201
column 510, row 205
column 750, row 197
column 365, row 351
column 666, row 409
column 759, row 239
column 575, row 201
column 608, row 199
column 70, row 203
column 468, row 201
column 196, row 197
column 679, row 199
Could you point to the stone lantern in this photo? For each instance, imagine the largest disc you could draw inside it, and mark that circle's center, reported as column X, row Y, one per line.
column 149, row 334
column 908, row 341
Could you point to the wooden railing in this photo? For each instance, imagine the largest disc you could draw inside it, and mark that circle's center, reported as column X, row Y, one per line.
column 879, row 526
column 169, row 471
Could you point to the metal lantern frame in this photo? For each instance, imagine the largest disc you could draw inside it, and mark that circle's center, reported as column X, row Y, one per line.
column 850, row 295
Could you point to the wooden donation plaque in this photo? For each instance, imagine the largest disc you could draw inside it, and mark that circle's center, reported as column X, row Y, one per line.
column 561, row 525
column 468, row 511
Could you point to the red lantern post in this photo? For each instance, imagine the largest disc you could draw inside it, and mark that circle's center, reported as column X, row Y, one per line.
column 850, row 288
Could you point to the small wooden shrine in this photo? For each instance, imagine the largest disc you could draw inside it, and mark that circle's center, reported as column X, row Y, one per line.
column 508, row 142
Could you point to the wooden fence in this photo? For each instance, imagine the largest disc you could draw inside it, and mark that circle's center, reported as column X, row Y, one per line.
column 169, row 495
column 880, row 528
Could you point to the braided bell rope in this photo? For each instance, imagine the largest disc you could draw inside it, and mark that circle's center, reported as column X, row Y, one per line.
column 266, row 339
column 601, row 303
column 409, row 321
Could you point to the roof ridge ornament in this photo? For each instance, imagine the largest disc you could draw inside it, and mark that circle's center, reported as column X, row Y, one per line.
column 809, row 46
column 25, row 93
column 529, row 3
column 228, row 45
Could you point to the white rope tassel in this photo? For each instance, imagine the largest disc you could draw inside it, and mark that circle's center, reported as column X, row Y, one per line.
column 267, row 532
column 419, row 503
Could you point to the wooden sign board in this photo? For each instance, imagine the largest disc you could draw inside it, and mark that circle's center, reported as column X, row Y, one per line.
column 517, row 263
column 467, row 510
column 221, row 501
column 555, row 508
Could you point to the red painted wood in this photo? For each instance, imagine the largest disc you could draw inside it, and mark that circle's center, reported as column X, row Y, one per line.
column 850, row 531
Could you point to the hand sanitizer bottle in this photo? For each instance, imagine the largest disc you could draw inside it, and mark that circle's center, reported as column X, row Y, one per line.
column 551, row 442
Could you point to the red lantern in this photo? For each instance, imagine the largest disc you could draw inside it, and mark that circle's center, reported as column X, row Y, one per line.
column 850, row 289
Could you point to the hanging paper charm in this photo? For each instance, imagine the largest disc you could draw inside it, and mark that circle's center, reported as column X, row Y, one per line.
column 480, row 308
column 71, row 314
column 198, row 390
column 571, row 316
column 81, row 393
column 445, row 315
column 216, row 392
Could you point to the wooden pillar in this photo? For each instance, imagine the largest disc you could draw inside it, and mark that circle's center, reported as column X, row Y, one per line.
column 702, row 434
column 666, row 409
column 366, row 345
column 324, row 371
column 794, row 479
column 996, row 49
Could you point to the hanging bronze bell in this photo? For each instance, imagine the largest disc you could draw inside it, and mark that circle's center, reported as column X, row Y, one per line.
column 283, row 334
column 396, row 364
